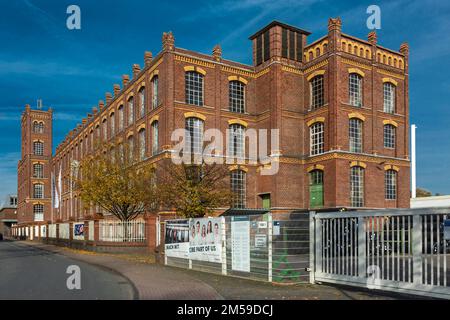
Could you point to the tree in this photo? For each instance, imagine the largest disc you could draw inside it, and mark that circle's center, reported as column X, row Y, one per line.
column 114, row 180
column 421, row 193
column 195, row 190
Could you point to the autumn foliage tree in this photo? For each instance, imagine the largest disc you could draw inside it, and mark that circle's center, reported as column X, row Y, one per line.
column 113, row 179
column 195, row 190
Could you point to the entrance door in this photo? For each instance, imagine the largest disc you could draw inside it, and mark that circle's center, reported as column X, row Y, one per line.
column 265, row 201
column 316, row 188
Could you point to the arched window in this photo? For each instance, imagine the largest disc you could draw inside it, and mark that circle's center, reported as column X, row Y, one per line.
column 130, row 111
column 389, row 136
column 237, row 96
column 38, row 148
column 355, row 89
column 194, row 140
column 155, row 138
column 38, row 127
column 38, row 170
column 121, row 118
column 389, row 97
column 38, row 191
column 238, row 188
column 316, row 188
column 355, row 135
column 357, row 186
column 142, row 102
column 390, row 184
column 237, row 141
column 317, row 92
column 112, row 124
column 131, row 148
column 316, row 133
column 105, row 129
column 194, row 88
column 155, row 92
column 141, row 136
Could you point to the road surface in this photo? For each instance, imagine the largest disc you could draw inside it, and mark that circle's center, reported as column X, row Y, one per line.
column 31, row 273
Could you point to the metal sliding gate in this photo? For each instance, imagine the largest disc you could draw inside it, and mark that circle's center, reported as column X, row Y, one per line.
column 405, row 251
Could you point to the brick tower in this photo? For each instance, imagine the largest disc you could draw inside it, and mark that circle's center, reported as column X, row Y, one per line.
column 34, row 181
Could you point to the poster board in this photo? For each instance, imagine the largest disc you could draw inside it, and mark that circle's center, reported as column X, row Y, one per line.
column 240, row 243
column 205, row 239
column 177, row 238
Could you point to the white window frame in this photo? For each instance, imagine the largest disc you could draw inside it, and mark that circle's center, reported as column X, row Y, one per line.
column 317, row 139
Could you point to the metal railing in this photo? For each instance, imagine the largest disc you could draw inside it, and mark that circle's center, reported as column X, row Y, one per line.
column 119, row 231
column 395, row 250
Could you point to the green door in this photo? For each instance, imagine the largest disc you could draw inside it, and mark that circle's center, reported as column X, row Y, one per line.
column 316, row 189
column 266, row 201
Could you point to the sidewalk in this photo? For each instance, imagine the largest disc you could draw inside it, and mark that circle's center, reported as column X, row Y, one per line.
column 154, row 281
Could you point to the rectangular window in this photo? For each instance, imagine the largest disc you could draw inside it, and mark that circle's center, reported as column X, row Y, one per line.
column 112, row 123
column 357, row 186
column 237, row 141
column 292, row 45
column 141, row 137
column 39, row 191
column 355, row 89
column 121, row 118
column 284, row 43
column 316, row 138
column 267, row 45
column 389, row 97
column 155, row 88
column 155, row 134
column 238, row 189
column 194, row 127
column 142, row 102
column 389, row 136
column 355, row 135
column 38, row 148
column 317, row 92
column 299, row 47
column 237, row 96
column 390, row 184
column 130, row 111
column 194, row 88
column 259, row 50
column 38, row 171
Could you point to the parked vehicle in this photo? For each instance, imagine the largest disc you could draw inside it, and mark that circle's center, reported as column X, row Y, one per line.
column 1, row 236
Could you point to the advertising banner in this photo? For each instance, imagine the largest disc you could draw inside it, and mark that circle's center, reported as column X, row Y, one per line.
column 205, row 239
column 177, row 238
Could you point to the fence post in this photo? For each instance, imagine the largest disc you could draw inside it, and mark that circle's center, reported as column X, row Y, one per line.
column 224, row 246
column 362, row 270
column 190, row 260
column 417, row 250
column 270, row 234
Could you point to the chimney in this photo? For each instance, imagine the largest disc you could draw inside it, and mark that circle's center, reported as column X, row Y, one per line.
column 217, row 53
column 94, row 110
column 136, row 70
column 116, row 90
column 108, row 97
column 334, row 34
column 101, row 104
column 84, row 121
column 125, row 80
column 148, row 57
column 372, row 37
column 404, row 49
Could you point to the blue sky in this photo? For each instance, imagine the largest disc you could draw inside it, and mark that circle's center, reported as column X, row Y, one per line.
column 71, row 70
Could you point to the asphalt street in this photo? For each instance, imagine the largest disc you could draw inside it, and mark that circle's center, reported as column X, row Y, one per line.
column 31, row 273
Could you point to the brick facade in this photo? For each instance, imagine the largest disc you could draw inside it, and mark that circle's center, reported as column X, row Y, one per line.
column 277, row 96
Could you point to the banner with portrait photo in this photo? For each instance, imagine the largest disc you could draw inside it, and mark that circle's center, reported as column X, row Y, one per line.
column 205, row 239
column 177, row 238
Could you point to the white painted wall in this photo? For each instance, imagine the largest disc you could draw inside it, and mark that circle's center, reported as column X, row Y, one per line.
column 431, row 202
